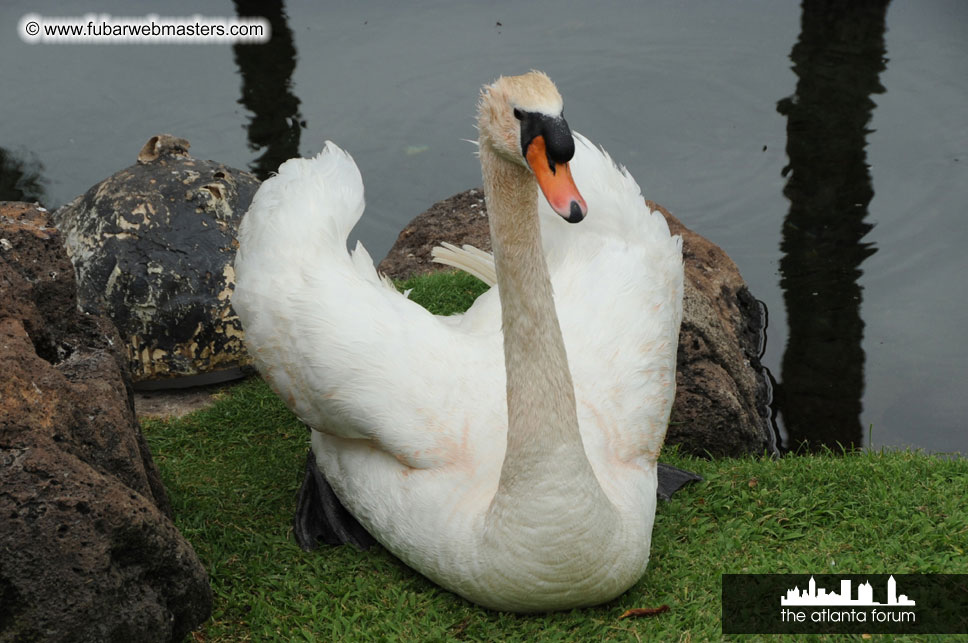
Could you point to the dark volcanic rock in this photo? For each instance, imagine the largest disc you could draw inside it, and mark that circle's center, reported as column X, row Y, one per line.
column 722, row 392
column 88, row 551
column 721, row 388
column 153, row 247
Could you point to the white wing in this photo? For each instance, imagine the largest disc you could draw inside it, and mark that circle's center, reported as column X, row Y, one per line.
column 350, row 355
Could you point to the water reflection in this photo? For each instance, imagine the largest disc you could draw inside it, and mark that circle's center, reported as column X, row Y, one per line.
column 837, row 60
column 20, row 179
column 266, row 71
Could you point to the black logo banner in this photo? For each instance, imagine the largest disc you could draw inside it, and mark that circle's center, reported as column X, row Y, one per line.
column 845, row 603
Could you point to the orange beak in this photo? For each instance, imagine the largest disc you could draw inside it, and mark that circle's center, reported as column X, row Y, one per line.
column 556, row 183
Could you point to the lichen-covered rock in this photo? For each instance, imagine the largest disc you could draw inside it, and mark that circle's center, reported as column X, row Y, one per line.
column 153, row 247
column 88, row 551
column 721, row 406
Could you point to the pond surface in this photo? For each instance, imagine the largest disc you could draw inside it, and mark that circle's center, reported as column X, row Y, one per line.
column 825, row 149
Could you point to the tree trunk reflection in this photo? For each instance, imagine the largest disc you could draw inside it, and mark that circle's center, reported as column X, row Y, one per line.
column 837, row 60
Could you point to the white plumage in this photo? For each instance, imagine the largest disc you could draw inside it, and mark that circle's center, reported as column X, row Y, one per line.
column 410, row 412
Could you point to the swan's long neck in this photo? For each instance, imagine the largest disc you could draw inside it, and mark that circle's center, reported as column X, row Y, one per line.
column 541, row 397
column 545, row 465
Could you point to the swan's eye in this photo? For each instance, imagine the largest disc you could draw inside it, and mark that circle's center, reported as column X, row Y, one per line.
column 518, row 114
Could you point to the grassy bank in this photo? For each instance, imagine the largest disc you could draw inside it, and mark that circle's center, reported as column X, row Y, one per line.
column 233, row 470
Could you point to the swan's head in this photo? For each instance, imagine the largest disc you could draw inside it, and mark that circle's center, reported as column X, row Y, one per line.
column 520, row 118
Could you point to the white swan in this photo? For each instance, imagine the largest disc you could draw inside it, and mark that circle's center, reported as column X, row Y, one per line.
column 523, row 479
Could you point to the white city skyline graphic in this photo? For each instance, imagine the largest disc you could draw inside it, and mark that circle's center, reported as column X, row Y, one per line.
column 813, row 595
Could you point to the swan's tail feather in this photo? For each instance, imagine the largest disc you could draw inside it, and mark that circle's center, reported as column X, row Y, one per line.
column 471, row 260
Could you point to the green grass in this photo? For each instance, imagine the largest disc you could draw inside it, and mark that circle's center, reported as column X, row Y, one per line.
column 444, row 293
column 233, row 471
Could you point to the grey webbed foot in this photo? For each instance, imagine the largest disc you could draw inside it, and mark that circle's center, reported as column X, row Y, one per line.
column 321, row 517
column 671, row 479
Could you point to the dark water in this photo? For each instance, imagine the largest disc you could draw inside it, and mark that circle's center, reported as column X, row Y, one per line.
column 823, row 145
